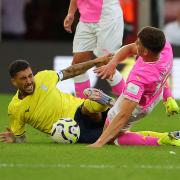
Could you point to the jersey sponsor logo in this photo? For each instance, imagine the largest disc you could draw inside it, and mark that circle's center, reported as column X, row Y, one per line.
column 44, row 87
column 133, row 88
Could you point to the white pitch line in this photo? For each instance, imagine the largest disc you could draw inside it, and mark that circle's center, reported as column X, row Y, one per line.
column 86, row 166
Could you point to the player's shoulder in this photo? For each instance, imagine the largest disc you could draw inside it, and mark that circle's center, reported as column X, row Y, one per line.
column 47, row 76
column 166, row 55
column 142, row 74
column 167, row 49
column 45, row 73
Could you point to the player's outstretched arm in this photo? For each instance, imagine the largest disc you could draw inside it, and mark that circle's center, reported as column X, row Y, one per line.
column 80, row 68
column 107, row 71
column 117, row 123
column 8, row 137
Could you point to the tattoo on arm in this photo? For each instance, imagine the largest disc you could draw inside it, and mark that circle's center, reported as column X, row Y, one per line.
column 77, row 69
column 80, row 68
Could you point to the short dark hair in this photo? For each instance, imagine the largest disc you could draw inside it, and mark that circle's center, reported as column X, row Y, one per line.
column 18, row 65
column 152, row 38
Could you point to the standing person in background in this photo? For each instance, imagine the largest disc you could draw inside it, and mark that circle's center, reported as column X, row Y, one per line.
column 100, row 30
column 13, row 20
column 172, row 30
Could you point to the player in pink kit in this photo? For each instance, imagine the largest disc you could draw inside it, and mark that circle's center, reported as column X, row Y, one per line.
column 101, row 24
column 143, row 90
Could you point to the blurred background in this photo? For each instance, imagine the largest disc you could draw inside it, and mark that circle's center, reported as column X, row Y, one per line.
column 33, row 30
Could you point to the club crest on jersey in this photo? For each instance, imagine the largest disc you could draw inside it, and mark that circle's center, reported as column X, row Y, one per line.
column 138, row 78
column 133, row 88
column 44, row 87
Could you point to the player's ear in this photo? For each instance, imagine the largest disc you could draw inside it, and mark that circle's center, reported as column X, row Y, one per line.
column 145, row 52
column 13, row 82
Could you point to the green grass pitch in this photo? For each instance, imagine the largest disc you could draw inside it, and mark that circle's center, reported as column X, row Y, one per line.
column 39, row 158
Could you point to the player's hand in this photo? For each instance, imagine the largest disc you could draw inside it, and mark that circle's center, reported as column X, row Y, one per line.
column 7, row 137
column 68, row 22
column 171, row 106
column 95, row 145
column 107, row 71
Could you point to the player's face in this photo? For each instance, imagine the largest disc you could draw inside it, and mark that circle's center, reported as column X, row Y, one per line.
column 141, row 50
column 24, row 81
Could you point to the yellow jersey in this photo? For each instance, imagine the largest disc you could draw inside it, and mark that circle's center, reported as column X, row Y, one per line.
column 42, row 108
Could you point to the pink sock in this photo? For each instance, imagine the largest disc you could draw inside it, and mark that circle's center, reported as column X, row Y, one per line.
column 132, row 138
column 80, row 87
column 117, row 89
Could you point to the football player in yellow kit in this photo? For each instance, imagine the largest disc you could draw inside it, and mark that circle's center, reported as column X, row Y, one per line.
column 40, row 104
